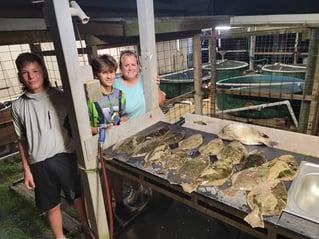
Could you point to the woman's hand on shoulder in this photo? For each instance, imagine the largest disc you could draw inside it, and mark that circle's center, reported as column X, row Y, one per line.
column 158, row 80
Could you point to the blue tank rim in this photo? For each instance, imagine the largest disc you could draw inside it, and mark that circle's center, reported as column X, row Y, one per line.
column 293, row 68
column 236, row 83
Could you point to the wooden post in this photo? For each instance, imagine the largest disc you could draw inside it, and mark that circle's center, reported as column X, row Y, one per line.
column 251, row 49
column 308, row 109
column 197, row 64
column 145, row 12
column 296, row 48
column 60, row 24
column 213, row 45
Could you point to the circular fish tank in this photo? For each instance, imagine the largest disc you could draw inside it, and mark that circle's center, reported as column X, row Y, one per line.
column 258, row 85
column 298, row 71
column 228, row 68
column 181, row 82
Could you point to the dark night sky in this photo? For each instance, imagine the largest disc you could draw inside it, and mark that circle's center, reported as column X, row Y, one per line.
column 173, row 8
column 206, row 7
column 263, row 7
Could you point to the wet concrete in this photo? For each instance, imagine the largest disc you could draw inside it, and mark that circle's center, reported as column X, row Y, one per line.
column 170, row 219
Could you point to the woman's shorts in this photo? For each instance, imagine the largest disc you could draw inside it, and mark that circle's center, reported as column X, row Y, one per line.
column 53, row 175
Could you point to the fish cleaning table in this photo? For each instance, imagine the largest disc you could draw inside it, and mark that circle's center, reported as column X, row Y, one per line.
column 210, row 200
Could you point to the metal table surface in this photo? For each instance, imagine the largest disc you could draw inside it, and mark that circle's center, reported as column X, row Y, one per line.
column 209, row 200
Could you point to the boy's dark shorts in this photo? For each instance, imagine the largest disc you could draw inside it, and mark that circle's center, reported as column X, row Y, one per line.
column 57, row 173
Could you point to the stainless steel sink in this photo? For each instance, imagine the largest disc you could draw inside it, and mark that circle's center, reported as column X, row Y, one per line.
column 303, row 194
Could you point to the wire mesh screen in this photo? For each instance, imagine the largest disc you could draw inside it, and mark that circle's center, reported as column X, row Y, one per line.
column 259, row 76
column 269, row 92
column 10, row 86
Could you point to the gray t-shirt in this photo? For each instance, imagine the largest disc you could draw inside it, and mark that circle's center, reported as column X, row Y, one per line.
column 40, row 120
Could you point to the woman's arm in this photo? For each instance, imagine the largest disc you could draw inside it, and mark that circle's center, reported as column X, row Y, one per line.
column 161, row 94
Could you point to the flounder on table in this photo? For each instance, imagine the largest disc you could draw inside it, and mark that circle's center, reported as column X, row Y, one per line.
column 267, row 199
column 244, row 133
column 127, row 146
column 284, row 167
column 191, row 142
column 191, row 169
column 213, row 147
column 152, row 140
column 254, row 158
column 161, row 131
column 139, row 144
column 158, row 156
column 216, row 175
column 174, row 161
column 147, row 146
column 174, row 137
column 247, row 180
column 233, row 152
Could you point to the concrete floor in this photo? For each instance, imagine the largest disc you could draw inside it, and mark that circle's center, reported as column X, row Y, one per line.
column 172, row 219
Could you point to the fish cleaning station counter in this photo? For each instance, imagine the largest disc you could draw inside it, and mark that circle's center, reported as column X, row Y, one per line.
column 259, row 210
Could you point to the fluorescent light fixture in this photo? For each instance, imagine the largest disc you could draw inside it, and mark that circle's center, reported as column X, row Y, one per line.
column 222, row 28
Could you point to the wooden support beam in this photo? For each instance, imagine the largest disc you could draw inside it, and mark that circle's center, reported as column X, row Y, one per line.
column 197, row 64
column 145, row 12
column 308, row 109
column 72, row 75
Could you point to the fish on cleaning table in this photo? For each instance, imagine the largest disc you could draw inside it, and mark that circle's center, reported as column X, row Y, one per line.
column 191, row 142
column 191, row 169
column 161, row 131
column 284, row 167
column 244, row 133
column 174, row 137
column 267, row 199
column 254, row 158
column 148, row 145
column 127, row 146
column 174, row 162
column 139, row 144
column 158, row 156
column 233, row 152
column 213, row 147
column 247, row 180
column 216, row 175
column 151, row 141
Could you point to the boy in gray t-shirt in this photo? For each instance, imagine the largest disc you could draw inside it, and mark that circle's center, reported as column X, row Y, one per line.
column 45, row 143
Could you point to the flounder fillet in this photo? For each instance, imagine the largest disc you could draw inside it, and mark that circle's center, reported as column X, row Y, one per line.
column 158, row 156
column 247, row 179
column 213, row 147
column 190, row 170
column 216, row 175
column 147, row 146
column 158, row 132
column 127, row 146
column 232, row 152
column 152, row 140
column 139, row 143
column 243, row 133
column 191, row 142
column 267, row 199
column 284, row 167
column 174, row 137
column 174, row 162
column 254, row 159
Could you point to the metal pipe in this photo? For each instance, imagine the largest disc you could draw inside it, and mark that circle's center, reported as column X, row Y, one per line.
column 261, row 106
column 260, row 84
